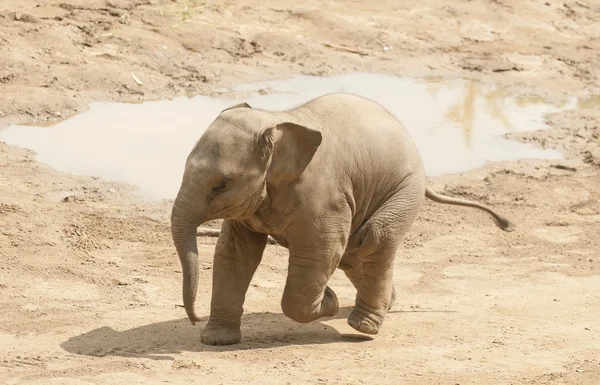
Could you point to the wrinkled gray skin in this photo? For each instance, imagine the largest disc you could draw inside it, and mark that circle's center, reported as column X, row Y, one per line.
column 337, row 181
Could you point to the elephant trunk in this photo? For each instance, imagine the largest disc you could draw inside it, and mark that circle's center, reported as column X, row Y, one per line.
column 183, row 230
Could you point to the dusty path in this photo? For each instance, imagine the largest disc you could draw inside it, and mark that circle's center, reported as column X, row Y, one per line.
column 90, row 286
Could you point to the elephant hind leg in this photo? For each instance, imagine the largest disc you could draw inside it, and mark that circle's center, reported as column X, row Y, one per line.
column 354, row 272
column 379, row 242
column 355, row 275
column 375, row 294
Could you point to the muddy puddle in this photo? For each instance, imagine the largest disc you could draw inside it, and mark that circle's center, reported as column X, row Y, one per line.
column 456, row 124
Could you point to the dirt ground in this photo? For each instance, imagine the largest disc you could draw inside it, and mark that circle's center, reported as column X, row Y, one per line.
column 90, row 286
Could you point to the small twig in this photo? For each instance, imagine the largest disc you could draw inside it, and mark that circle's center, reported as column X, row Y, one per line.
column 208, row 232
column 582, row 4
column 346, row 49
column 586, row 306
column 83, row 30
column 138, row 81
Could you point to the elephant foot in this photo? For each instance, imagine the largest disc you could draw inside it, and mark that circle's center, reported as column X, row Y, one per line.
column 221, row 334
column 330, row 303
column 363, row 323
column 365, row 319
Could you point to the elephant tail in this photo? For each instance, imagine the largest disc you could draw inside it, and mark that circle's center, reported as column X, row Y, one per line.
column 501, row 221
column 208, row 232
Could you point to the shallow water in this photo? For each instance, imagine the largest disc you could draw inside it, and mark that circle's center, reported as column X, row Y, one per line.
column 456, row 124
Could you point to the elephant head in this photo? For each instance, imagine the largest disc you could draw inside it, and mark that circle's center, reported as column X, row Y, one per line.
column 227, row 173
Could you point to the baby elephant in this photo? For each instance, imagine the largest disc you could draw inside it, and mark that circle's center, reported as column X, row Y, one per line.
column 336, row 181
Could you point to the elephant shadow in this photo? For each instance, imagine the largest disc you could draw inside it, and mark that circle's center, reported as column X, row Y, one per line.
column 162, row 339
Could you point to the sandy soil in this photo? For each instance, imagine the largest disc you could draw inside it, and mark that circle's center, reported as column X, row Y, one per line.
column 90, row 285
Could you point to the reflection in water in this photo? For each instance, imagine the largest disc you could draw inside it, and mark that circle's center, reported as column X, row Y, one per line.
column 496, row 103
column 456, row 124
column 530, row 100
column 463, row 114
column 589, row 103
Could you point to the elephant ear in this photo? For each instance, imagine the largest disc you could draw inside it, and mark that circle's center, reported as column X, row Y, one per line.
column 241, row 105
column 288, row 148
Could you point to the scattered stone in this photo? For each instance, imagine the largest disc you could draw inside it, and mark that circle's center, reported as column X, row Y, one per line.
column 592, row 157
column 25, row 18
column 72, row 199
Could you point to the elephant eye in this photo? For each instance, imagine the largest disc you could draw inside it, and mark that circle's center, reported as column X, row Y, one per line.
column 222, row 186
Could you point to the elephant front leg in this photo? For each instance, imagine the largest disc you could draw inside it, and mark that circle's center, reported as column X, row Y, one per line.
column 306, row 296
column 237, row 255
